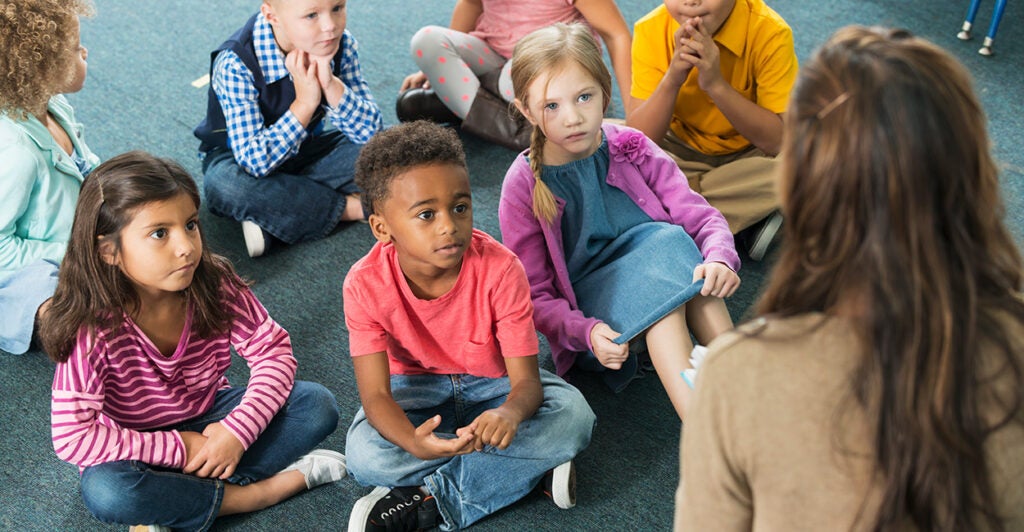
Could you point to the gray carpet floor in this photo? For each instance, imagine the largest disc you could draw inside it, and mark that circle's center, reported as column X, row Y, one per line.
column 143, row 59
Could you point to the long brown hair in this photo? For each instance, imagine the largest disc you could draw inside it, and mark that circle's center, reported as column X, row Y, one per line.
column 93, row 294
column 545, row 51
column 894, row 217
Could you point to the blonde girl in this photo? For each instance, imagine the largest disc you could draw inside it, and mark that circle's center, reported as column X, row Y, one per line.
column 614, row 242
column 141, row 328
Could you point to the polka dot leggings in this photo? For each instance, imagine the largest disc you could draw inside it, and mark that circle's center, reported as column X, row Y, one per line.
column 453, row 62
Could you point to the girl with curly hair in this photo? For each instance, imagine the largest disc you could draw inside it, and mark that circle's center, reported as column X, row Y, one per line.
column 615, row 243
column 45, row 157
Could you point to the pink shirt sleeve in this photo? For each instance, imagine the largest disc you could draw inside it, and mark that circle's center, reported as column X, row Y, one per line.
column 513, row 313
column 82, row 435
column 267, row 349
column 365, row 334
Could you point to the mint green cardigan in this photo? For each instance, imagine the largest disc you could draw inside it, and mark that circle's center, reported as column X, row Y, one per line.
column 39, row 186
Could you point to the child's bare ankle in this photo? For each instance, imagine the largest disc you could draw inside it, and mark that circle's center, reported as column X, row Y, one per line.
column 353, row 209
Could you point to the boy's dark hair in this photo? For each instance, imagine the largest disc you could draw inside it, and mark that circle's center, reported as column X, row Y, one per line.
column 397, row 149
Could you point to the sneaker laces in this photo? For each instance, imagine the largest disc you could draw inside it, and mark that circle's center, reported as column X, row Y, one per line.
column 406, row 509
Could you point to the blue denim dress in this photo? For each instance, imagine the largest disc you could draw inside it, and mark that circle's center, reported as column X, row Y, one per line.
column 626, row 269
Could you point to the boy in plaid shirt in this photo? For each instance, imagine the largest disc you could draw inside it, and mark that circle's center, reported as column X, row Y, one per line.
column 288, row 111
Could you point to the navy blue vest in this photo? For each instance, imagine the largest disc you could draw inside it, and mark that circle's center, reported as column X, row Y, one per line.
column 274, row 99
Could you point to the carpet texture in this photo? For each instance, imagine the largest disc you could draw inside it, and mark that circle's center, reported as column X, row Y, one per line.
column 143, row 58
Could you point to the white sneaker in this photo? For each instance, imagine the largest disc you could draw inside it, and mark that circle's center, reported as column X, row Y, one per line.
column 758, row 242
column 320, row 467
column 560, row 485
column 255, row 239
column 696, row 359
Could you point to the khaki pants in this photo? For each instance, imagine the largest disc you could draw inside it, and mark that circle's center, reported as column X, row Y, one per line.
column 741, row 185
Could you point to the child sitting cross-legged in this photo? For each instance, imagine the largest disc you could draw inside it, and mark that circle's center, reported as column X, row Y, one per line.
column 457, row 420
column 142, row 326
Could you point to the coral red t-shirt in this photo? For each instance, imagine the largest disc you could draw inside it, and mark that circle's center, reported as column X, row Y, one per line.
column 486, row 316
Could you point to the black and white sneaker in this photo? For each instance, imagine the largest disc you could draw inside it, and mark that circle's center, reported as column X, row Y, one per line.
column 402, row 509
column 560, row 485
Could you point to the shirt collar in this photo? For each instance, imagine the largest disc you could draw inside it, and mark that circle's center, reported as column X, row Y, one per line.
column 733, row 33
column 41, row 137
column 267, row 52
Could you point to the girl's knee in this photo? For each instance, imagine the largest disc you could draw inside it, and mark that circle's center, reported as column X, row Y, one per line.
column 318, row 404
column 108, row 491
column 428, row 37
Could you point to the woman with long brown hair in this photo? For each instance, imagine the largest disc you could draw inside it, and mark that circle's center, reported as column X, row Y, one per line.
column 882, row 386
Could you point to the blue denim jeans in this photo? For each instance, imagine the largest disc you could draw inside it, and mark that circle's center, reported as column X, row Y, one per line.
column 471, row 486
column 303, row 199
column 132, row 492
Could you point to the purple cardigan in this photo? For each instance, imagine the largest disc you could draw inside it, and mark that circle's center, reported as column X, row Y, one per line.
column 638, row 167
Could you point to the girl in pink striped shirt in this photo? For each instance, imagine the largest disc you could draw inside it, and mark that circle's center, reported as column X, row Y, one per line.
column 141, row 327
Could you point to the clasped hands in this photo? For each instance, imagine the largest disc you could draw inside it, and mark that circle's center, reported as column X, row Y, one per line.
column 313, row 79
column 496, row 427
column 696, row 48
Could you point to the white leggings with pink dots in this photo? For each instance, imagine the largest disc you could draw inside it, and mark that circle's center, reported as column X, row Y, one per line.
column 453, row 62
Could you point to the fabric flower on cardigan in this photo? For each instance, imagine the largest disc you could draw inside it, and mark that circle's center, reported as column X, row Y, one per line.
column 630, row 147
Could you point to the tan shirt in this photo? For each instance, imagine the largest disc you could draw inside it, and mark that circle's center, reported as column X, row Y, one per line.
column 775, row 442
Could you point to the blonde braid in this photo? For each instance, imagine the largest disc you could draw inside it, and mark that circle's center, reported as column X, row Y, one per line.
column 544, row 207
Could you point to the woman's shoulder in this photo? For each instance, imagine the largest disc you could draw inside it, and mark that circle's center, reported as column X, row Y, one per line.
column 769, row 345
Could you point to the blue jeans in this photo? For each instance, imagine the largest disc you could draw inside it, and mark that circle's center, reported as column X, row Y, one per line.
column 132, row 492
column 303, row 199
column 469, row 487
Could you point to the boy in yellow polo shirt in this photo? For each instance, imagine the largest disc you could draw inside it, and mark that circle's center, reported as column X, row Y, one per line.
column 711, row 80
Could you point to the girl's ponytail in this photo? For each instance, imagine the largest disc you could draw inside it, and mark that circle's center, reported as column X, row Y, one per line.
column 544, row 207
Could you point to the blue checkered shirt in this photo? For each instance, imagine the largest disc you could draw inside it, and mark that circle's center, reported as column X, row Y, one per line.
column 258, row 149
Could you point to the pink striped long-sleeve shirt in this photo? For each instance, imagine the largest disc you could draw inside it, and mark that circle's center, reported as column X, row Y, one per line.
column 116, row 387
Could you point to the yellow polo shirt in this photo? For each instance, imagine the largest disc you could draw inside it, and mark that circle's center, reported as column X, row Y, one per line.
column 758, row 59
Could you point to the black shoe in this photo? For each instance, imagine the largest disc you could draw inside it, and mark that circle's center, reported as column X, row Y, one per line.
column 423, row 104
column 395, row 510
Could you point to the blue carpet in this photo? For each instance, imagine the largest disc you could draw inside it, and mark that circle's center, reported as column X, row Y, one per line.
column 143, row 58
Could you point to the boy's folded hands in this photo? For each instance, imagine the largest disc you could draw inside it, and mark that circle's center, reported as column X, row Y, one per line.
column 428, row 446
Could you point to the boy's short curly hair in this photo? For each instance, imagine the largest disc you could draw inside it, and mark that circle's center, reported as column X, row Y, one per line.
column 36, row 51
column 397, row 149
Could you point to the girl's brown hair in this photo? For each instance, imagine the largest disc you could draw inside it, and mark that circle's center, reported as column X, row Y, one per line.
column 37, row 40
column 547, row 51
column 894, row 218
column 94, row 294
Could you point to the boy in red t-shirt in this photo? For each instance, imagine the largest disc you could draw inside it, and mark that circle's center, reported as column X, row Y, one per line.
column 457, row 420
